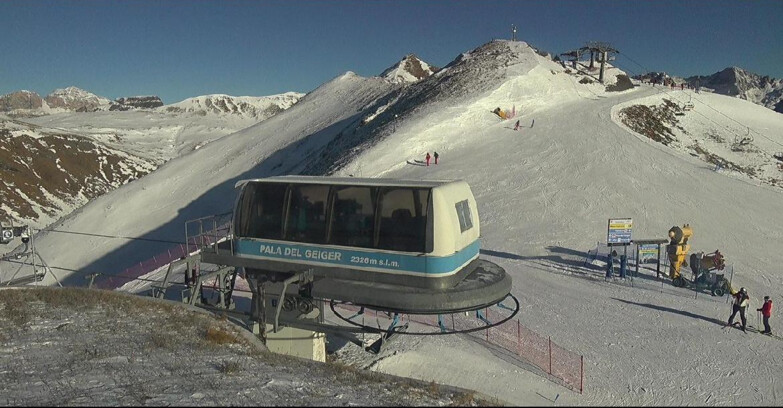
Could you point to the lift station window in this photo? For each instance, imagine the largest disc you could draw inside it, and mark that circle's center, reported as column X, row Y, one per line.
column 306, row 221
column 463, row 213
column 403, row 220
column 391, row 218
column 261, row 214
column 353, row 216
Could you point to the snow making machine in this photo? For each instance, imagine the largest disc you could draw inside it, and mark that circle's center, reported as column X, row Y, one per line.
column 398, row 247
column 705, row 267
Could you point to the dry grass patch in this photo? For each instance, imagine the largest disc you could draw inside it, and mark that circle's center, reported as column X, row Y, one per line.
column 465, row 399
column 219, row 336
column 229, row 367
column 433, row 387
column 655, row 122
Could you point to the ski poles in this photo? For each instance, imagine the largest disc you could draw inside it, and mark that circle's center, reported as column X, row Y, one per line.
column 758, row 319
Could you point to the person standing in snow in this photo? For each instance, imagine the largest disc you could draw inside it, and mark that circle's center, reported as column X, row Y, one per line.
column 766, row 311
column 427, row 158
column 741, row 301
column 516, row 126
column 436, row 157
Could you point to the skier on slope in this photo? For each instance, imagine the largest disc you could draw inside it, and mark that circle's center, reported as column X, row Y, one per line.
column 741, row 301
column 427, row 158
column 436, row 157
column 516, row 126
column 766, row 311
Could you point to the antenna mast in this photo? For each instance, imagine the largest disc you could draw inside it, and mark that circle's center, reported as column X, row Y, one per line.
column 513, row 32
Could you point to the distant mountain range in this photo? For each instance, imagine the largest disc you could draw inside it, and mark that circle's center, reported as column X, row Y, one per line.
column 732, row 81
column 76, row 162
column 247, row 106
column 72, row 99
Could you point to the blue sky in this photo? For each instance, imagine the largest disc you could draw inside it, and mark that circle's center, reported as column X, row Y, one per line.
column 181, row 49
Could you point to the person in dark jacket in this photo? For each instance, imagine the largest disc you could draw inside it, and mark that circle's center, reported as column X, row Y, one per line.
column 436, row 157
column 741, row 301
column 766, row 311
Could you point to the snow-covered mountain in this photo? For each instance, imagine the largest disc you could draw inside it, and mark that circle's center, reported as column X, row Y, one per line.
column 75, row 99
column 584, row 153
column 409, row 69
column 734, row 81
column 256, row 107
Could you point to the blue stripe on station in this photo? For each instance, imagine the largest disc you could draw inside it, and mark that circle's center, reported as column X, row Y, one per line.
column 357, row 259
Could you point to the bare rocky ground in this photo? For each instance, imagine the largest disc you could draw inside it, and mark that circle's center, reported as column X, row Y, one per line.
column 74, row 346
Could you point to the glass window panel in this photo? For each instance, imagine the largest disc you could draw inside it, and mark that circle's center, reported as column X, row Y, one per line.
column 463, row 213
column 403, row 219
column 307, row 213
column 261, row 214
column 353, row 216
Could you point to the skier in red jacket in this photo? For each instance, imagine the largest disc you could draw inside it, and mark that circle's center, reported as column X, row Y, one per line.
column 766, row 311
column 427, row 157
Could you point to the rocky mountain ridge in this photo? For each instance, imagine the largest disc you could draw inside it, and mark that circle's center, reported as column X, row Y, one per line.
column 732, row 81
column 409, row 69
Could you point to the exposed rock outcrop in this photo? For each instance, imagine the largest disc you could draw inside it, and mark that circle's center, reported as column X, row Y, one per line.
column 136, row 102
column 20, row 100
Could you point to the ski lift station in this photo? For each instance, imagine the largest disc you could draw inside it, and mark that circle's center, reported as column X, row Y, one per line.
column 399, row 247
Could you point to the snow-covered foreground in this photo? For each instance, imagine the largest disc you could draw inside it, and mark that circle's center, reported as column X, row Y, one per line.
column 545, row 194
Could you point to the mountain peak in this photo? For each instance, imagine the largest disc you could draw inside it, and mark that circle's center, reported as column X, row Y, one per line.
column 409, row 69
column 75, row 99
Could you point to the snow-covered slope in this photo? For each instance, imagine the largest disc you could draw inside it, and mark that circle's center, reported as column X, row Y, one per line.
column 50, row 172
column 544, row 193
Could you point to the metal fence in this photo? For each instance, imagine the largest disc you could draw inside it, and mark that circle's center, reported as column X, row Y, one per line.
column 199, row 233
column 555, row 362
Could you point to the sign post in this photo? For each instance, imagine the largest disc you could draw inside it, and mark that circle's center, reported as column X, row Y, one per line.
column 619, row 232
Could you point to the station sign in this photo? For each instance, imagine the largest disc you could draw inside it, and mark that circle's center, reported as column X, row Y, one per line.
column 648, row 253
column 619, row 231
